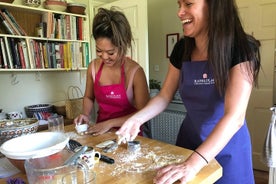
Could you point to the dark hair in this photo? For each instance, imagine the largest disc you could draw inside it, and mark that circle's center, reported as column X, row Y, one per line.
column 227, row 35
column 113, row 24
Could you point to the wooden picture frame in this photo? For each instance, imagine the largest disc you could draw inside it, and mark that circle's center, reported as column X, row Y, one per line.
column 171, row 40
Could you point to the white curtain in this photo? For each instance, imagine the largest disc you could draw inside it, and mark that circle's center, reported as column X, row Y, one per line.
column 269, row 148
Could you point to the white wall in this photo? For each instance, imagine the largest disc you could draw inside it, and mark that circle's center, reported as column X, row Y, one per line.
column 162, row 20
column 20, row 89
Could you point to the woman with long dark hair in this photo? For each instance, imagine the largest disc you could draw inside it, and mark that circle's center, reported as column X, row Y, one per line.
column 215, row 66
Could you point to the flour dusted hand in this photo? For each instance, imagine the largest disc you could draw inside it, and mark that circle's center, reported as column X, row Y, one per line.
column 128, row 131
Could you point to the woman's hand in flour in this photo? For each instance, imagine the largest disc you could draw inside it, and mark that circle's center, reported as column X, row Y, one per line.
column 129, row 130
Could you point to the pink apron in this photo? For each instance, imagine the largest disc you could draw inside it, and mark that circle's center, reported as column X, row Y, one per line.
column 112, row 99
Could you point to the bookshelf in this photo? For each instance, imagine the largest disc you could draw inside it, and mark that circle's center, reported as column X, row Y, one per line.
column 43, row 40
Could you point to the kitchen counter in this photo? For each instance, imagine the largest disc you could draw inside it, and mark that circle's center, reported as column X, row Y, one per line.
column 139, row 166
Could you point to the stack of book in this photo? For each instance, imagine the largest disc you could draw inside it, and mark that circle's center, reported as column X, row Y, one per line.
column 18, row 53
column 69, row 55
column 13, row 53
column 61, row 26
column 10, row 24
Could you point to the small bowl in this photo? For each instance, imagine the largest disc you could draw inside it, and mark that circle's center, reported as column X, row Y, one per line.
column 32, row 3
column 34, row 145
column 55, row 5
column 14, row 128
column 31, row 109
column 76, row 8
column 82, row 128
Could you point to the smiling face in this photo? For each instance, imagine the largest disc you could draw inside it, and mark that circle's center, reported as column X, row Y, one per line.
column 193, row 15
column 107, row 51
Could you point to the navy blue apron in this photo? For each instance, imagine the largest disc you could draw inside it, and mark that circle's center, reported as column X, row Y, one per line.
column 205, row 107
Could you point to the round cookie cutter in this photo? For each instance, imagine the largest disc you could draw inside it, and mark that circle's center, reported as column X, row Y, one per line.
column 133, row 146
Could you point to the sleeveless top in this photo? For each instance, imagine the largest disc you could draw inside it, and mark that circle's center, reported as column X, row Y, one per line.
column 114, row 100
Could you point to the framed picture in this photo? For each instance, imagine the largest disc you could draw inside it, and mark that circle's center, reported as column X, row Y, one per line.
column 171, row 41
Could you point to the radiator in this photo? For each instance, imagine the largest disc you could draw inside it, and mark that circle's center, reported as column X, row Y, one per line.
column 165, row 126
column 272, row 175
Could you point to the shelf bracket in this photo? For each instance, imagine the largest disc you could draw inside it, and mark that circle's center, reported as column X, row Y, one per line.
column 14, row 80
column 37, row 76
column 82, row 76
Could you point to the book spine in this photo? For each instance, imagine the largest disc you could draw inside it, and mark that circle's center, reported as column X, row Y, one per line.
column 53, row 26
column 36, row 55
column 9, row 54
column 19, row 28
column 73, row 55
column 77, row 28
column 65, row 55
column 69, row 54
column 85, row 54
column 47, row 18
column 25, row 53
column 45, row 55
column 21, row 55
column 73, row 28
column 1, row 59
column 10, row 22
column 44, row 21
column 49, row 53
column 63, row 26
column 15, row 55
column 30, row 46
column 42, row 61
column 44, row 29
column 58, row 56
column 57, row 30
column 81, row 28
column 61, row 50
column 4, row 56
column 53, row 56
column 78, row 55
column 6, row 24
column 68, row 26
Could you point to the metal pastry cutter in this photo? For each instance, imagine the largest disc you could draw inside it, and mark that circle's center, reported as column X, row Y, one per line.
column 133, row 146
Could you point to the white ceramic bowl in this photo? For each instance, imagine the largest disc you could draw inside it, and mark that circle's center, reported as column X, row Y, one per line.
column 76, row 8
column 38, row 144
column 81, row 128
column 55, row 5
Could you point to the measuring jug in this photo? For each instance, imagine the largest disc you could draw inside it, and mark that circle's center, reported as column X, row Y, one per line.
column 51, row 169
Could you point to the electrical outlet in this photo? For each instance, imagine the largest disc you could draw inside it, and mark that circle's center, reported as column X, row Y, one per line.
column 156, row 68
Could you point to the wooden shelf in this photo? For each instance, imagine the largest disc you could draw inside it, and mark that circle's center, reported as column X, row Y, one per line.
column 20, row 8
column 73, row 39
column 43, row 70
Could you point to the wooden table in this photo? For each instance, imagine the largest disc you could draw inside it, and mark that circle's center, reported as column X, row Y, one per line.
column 139, row 166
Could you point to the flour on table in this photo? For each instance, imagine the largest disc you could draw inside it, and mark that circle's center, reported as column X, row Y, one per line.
column 146, row 159
column 73, row 135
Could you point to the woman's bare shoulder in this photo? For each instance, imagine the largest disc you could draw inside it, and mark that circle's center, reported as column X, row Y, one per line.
column 131, row 64
column 95, row 62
